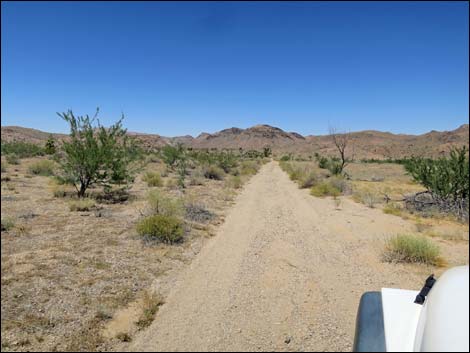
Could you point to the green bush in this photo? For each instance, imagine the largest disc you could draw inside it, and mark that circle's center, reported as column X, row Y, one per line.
column 160, row 203
column 44, row 167
column 335, row 167
column 446, row 178
column 323, row 162
column 285, row 158
column 49, row 148
column 12, row 159
column 153, row 179
column 167, row 229
column 412, row 249
column 97, row 155
column 22, row 149
column 213, row 172
column 81, row 205
column 325, row 189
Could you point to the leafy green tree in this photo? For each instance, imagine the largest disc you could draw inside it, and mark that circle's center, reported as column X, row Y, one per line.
column 97, row 155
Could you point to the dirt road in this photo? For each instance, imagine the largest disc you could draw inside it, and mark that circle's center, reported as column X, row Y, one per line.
column 284, row 272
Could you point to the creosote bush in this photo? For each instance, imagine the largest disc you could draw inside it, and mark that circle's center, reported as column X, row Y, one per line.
column 412, row 249
column 234, row 182
column 7, row 224
column 44, row 167
column 167, row 229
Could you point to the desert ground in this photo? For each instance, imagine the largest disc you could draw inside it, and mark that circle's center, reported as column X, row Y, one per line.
column 271, row 268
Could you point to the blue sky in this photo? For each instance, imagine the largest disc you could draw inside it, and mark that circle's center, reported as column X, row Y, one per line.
column 184, row 68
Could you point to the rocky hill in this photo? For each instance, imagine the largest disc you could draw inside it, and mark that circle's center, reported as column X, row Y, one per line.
column 366, row 144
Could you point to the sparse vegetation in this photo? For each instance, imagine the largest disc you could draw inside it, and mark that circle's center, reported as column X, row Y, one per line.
column 12, row 159
column 213, row 172
column 21, row 149
column 393, row 209
column 7, row 223
column 151, row 302
column 369, row 198
column 234, row 181
column 412, row 249
column 43, row 167
column 81, row 205
column 162, row 204
column 167, row 229
column 153, row 179
column 325, row 189
column 50, row 145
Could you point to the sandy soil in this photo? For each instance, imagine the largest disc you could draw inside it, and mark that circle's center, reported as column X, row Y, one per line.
column 285, row 272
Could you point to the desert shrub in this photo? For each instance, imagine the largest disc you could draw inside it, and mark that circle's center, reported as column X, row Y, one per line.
column 213, row 172
column 159, row 203
column 325, row 189
column 340, row 183
column 196, row 177
column 445, row 178
column 4, row 168
column 234, row 182
column 153, row 179
column 12, row 159
column 412, row 249
column 165, row 228
column 227, row 161
column 308, row 180
column 323, row 162
column 21, row 149
column 61, row 180
column 285, row 158
column 7, row 223
column 334, row 167
column 44, row 167
column 49, row 148
column 172, row 154
column 81, row 205
column 393, row 209
column 249, row 167
column 97, row 155
column 197, row 212
column 370, row 199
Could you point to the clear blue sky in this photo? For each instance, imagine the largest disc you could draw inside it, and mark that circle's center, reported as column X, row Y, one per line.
column 184, row 68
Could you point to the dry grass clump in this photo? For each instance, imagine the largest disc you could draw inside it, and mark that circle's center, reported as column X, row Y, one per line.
column 167, row 229
column 370, row 199
column 151, row 302
column 234, row 182
column 43, row 167
column 159, row 203
column 81, row 205
column 7, row 224
column 153, row 179
column 197, row 212
column 196, row 177
column 249, row 167
column 412, row 249
column 325, row 189
column 213, row 172
column 393, row 209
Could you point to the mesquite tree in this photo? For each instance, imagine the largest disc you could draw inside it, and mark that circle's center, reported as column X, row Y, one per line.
column 95, row 154
column 445, row 178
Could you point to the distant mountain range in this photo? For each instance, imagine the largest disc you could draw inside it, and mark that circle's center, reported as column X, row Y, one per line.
column 367, row 144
